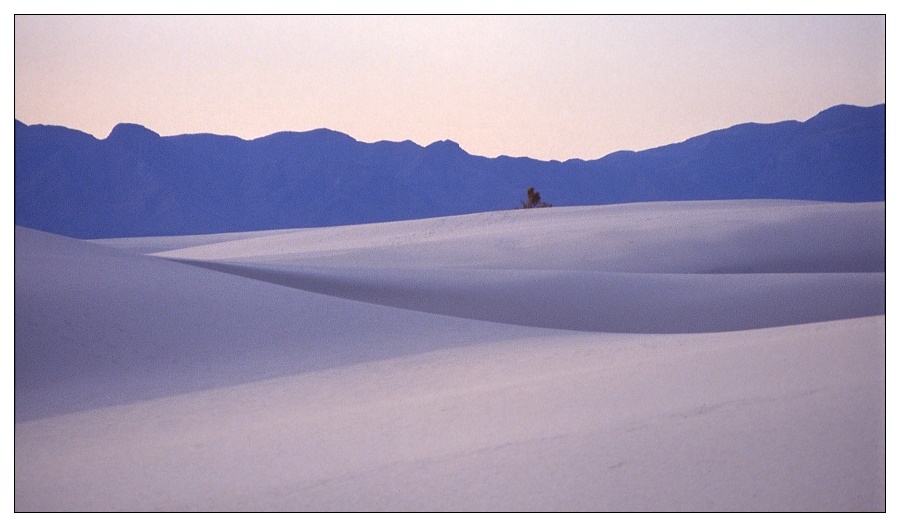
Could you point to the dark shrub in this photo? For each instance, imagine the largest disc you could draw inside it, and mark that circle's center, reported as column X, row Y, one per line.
column 534, row 200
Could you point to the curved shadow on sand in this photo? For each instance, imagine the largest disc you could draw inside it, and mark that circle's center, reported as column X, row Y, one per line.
column 594, row 301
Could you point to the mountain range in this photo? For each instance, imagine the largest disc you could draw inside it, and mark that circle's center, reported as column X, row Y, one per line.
column 138, row 183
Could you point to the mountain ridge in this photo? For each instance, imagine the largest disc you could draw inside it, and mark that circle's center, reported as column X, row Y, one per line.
column 138, row 183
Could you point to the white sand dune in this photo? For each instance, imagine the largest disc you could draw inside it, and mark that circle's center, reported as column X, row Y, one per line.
column 757, row 236
column 664, row 268
column 659, row 356
column 96, row 326
column 585, row 301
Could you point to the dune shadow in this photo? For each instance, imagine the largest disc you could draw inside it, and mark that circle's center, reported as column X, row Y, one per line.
column 594, row 301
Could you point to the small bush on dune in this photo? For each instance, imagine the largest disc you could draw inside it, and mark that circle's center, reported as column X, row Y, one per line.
column 534, row 200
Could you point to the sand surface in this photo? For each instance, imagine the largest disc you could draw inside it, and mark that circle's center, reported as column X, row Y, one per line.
column 655, row 357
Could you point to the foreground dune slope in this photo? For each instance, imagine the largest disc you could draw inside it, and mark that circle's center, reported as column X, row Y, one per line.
column 776, row 419
column 97, row 326
column 669, row 356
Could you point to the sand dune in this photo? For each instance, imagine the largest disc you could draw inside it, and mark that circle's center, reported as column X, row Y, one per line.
column 96, row 326
column 638, row 268
column 658, row 356
column 757, row 236
column 585, row 301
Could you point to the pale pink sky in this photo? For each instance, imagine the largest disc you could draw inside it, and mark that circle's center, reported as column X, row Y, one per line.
column 543, row 87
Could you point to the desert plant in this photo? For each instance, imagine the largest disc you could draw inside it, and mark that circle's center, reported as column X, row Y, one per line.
column 534, row 200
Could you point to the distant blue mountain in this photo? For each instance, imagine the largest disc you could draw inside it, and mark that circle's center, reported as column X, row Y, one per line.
column 136, row 183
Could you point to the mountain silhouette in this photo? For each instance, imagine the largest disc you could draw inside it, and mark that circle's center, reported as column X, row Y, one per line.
column 138, row 183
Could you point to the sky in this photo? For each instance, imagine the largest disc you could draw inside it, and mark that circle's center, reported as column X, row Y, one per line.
column 546, row 87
